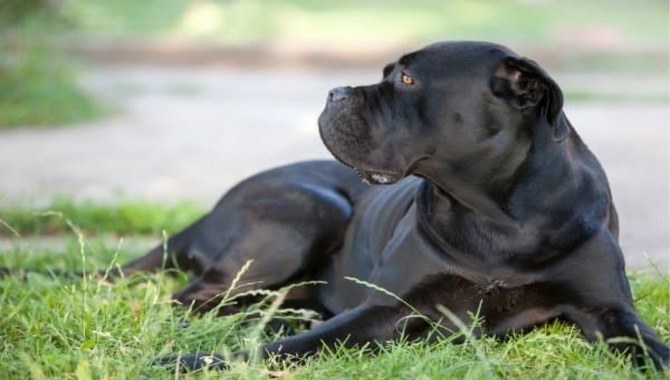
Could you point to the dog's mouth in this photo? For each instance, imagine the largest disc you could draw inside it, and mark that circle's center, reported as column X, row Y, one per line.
column 376, row 177
column 387, row 177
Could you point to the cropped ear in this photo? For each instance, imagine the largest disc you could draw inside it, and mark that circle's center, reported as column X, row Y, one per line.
column 524, row 84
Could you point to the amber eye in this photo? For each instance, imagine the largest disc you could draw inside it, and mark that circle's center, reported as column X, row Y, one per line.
column 406, row 79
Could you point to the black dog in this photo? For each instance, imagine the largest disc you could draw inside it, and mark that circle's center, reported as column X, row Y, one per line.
column 492, row 203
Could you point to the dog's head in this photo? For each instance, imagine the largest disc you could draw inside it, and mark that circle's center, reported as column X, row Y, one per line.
column 455, row 102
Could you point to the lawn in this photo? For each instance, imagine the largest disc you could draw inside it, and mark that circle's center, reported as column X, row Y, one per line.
column 122, row 217
column 88, row 328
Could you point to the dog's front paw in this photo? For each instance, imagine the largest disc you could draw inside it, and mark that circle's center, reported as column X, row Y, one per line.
column 193, row 362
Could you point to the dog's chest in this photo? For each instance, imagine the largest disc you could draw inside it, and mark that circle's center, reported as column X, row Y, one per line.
column 494, row 300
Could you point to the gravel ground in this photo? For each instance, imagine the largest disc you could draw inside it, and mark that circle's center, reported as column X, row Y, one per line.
column 191, row 133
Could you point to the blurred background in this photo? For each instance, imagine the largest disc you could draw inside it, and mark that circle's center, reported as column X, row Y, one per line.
column 171, row 100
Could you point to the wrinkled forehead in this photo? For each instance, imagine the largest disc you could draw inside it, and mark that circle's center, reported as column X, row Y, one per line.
column 450, row 57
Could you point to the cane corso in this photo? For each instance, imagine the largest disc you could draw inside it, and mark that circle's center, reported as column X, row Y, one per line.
column 478, row 197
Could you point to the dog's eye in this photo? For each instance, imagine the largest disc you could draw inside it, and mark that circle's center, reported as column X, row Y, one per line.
column 406, row 79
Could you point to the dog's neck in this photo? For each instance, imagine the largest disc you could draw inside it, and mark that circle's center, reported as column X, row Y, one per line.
column 487, row 182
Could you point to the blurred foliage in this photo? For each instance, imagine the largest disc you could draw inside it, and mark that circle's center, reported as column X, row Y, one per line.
column 614, row 35
column 243, row 21
column 38, row 84
column 38, row 87
column 14, row 12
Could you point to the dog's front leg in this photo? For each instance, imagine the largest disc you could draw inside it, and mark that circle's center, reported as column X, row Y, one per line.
column 624, row 331
column 354, row 328
column 598, row 299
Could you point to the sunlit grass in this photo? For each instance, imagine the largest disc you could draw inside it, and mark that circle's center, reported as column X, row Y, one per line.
column 121, row 217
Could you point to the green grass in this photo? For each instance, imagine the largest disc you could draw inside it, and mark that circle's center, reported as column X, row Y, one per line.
column 88, row 328
column 122, row 218
column 83, row 329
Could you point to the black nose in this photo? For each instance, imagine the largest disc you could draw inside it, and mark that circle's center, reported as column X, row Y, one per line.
column 339, row 93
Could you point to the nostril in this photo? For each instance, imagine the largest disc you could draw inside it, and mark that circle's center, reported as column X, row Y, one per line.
column 338, row 93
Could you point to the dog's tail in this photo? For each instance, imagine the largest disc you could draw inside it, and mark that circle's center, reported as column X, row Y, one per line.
column 171, row 254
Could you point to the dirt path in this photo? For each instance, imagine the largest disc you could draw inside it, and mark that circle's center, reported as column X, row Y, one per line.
column 191, row 134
